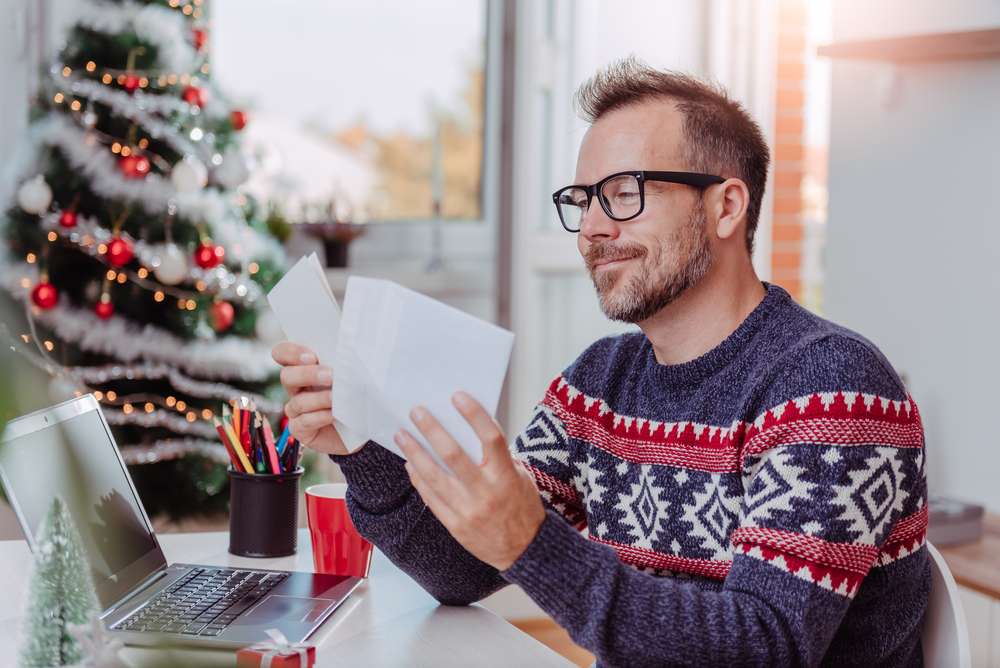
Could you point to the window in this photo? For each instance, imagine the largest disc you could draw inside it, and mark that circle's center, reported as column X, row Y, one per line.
column 364, row 112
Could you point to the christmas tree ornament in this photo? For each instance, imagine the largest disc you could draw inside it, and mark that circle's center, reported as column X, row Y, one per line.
column 67, row 219
column 44, row 295
column 189, row 175
column 134, row 166
column 200, row 38
column 223, row 314
column 234, row 171
column 120, row 252
column 104, row 308
column 131, row 83
column 194, row 96
column 238, row 119
column 61, row 592
column 208, row 255
column 35, row 195
column 170, row 265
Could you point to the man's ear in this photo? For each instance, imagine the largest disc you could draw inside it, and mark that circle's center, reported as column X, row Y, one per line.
column 731, row 201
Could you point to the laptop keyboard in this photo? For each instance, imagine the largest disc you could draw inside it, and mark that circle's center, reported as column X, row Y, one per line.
column 202, row 602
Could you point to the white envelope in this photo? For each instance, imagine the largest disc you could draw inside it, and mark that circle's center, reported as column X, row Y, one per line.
column 394, row 349
column 309, row 315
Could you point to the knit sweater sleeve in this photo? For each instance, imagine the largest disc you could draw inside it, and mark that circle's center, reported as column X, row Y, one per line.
column 388, row 511
column 832, row 485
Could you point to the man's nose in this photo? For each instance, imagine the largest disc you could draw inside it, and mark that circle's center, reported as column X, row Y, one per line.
column 596, row 224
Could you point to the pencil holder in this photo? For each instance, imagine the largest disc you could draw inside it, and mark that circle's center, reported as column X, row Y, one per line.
column 263, row 513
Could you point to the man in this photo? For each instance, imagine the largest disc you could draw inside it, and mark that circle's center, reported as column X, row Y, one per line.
column 750, row 475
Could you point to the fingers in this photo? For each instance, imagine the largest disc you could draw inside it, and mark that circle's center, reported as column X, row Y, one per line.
column 304, row 426
column 496, row 454
column 450, row 452
column 448, row 489
column 297, row 378
column 431, row 498
column 287, row 353
column 308, row 402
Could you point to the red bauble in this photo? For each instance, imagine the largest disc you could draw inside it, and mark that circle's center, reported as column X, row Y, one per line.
column 131, row 83
column 238, row 119
column 134, row 166
column 45, row 295
column 200, row 38
column 194, row 96
column 68, row 218
column 223, row 315
column 208, row 255
column 104, row 309
column 119, row 252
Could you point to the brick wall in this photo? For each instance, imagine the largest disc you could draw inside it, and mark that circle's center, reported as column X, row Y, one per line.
column 789, row 147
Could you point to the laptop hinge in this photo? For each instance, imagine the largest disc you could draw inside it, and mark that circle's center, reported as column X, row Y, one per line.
column 150, row 580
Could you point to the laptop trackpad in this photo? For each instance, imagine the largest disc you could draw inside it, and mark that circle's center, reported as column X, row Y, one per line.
column 287, row 609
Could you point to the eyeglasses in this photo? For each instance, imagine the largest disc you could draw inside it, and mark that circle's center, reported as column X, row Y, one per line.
column 622, row 195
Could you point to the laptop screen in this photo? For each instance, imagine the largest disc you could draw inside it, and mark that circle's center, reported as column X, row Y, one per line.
column 71, row 453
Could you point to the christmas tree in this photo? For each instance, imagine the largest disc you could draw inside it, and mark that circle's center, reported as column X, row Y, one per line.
column 61, row 593
column 140, row 263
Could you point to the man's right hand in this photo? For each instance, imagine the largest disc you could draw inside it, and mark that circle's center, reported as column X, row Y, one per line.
column 310, row 389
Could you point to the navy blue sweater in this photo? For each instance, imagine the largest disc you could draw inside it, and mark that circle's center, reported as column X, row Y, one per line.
column 763, row 504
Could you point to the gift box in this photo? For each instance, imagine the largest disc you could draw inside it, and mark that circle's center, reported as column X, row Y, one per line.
column 276, row 653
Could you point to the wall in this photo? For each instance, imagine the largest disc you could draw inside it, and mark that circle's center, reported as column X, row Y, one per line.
column 913, row 254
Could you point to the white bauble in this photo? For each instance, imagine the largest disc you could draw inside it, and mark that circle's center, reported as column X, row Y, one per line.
column 35, row 195
column 189, row 175
column 170, row 265
column 234, row 170
column 268, row 329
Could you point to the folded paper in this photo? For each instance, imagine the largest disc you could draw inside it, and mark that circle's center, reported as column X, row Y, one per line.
column 392, row 349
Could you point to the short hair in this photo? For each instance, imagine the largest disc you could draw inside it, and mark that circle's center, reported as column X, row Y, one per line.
column 720, row 137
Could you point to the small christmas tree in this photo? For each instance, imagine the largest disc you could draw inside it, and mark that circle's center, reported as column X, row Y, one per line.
column 62, row 593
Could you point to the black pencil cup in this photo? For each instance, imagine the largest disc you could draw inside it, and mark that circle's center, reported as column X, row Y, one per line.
column 263, row 513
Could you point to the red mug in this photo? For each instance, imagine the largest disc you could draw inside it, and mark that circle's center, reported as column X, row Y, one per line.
column 337, row 547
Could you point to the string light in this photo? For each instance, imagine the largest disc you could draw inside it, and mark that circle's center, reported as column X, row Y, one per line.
column 206, row 414
column 253, row 267
column 122, row 278
column 127, row 409
column 30, row 258
column 191, row 305
column 171, row 401
column 106, row 79
column 25, row 283
column 52, row 236
column 158, row 296
column 98, row 395
column 101, row 248
column 75, row 105
column 149, row 407
column 116, row 148
column 143, row 143
column 181, row 406
column 66, row 71
column 58, row 98
column 112, row 395
column 49, row 345
column 111, row 275
column 143, row 272
column 191, row 417
column 126, row 151
column 91, row 66
column 25, row 338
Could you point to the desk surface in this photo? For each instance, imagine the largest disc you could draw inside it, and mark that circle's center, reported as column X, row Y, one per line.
column 977, row 565
column 388, row 621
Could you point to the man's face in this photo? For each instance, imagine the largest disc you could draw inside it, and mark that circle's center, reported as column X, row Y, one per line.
column 640, row 265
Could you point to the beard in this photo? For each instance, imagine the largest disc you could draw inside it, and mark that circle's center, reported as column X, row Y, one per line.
column 665, row 271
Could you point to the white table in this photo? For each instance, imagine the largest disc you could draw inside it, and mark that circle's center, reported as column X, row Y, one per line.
column 388, row 621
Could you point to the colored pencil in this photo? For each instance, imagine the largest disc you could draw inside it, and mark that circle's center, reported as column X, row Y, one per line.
column 244, row 460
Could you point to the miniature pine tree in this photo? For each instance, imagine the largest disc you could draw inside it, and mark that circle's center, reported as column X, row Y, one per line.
column 61, row 593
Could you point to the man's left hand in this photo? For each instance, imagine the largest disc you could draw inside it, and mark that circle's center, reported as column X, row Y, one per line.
column 493, row 509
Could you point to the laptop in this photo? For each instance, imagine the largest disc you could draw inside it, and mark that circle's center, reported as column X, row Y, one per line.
column 68, row 450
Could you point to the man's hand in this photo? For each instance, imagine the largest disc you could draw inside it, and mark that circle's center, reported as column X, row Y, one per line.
column 492, row 509
column 310, row 388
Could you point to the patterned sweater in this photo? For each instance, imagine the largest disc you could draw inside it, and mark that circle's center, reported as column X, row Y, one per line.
column 763, row 504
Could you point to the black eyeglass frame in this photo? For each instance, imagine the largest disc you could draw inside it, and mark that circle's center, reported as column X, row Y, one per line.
column 693, row 179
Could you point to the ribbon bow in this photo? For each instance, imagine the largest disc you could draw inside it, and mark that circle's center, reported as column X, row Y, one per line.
column 279, row 645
